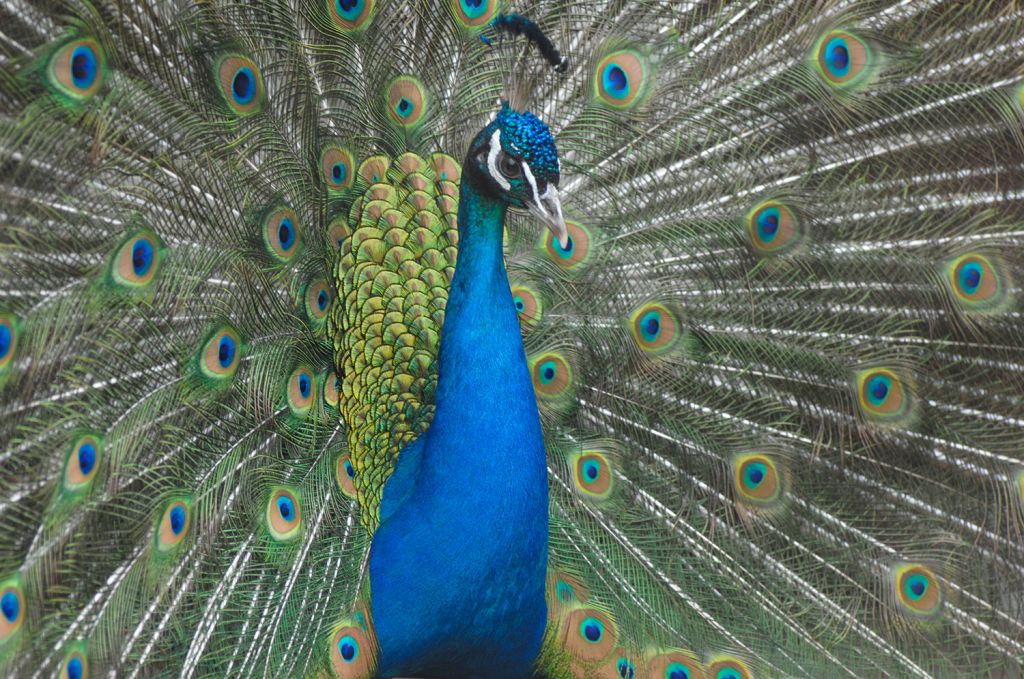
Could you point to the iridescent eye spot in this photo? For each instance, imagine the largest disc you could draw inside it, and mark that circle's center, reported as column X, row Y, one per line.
column 76, row 70
column 473, row 14
column 677, row 671
column 338, row 166
column 551, row 375
column 351, row 652
column 81, row 464
column 281, row 233
column 406, row 101
column 881, row 394
column 757, row 479
column 977, row 281
column 592, row 629
column 593, row 475
column 174, row 525
column 654, row 328
column 219, row 358
column 351, row 16
column 728, row 668
column 348, row 649
column 243, row 85
column 8, row 340
column 10, row 605
column 300, row 391
column 240, row 83
column 918, row 590
column 843, row 58
column 76, row 667
column 284, row 516
column 624, row 666
column 528, row 305
column 674, row 665
column 12, row 609
column 773, row 228
column 177, row 519
column 345, row 474
column 136, row 260
column 622, row 79
column 318, row 300
column 577, row 250
column 589, row 634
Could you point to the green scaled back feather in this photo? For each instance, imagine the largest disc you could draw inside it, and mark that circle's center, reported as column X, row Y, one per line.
column 779, row 367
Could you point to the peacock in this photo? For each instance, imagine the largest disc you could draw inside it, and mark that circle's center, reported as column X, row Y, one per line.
column 484, row 338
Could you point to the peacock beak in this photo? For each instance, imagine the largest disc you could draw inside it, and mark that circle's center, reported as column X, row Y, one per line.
column 548, row 208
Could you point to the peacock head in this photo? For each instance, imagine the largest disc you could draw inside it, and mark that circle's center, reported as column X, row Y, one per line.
column 515, row 159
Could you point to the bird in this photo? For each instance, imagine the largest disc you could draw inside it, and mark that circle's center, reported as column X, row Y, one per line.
column 477, row 338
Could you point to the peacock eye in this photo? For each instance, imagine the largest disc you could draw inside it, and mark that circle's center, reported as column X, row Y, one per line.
column 509, row 166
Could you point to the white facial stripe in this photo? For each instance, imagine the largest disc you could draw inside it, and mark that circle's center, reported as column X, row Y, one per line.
column 533, row 187
column 492, row 161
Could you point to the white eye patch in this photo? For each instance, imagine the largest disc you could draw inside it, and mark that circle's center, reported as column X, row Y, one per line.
column 492, row 161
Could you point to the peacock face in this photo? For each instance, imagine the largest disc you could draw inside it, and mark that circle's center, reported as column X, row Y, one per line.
column 516, row 157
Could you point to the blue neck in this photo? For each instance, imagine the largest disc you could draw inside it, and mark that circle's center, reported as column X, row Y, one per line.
column 458, row 565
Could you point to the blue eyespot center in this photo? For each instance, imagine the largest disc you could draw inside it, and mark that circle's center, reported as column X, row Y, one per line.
column 878, row 389
column 177, row 519
column 286, row 233
column 304, row 385
column 83, row 67
column 142, row 257
column 348, row 648
column 338, row 172
column 75, row 668
column 626, row 668
column 650, row 326
column 754, row 474
column 547, row 371
column 404, row 107
column 727, row 673
column 970, row 277
column 615, row 81
column 837, row 57
column 285, row 508
column 225, row 351
column 564, row 592
column 592, row 630
column 474, row 8
column 916, row 586
column 677, row 671
column 349, row 469
column 349, row 9
column 768, row 224
column 10, row 605
column 591, row 470
column 86, row 457
column 519, row 303
column 6, row 339
column 321, row 300
column 243, row 85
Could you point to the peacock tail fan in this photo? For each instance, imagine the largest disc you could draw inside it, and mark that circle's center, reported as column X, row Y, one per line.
column 779, row 361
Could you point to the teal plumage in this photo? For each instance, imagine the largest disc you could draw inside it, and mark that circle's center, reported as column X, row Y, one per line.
column 777, row 359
